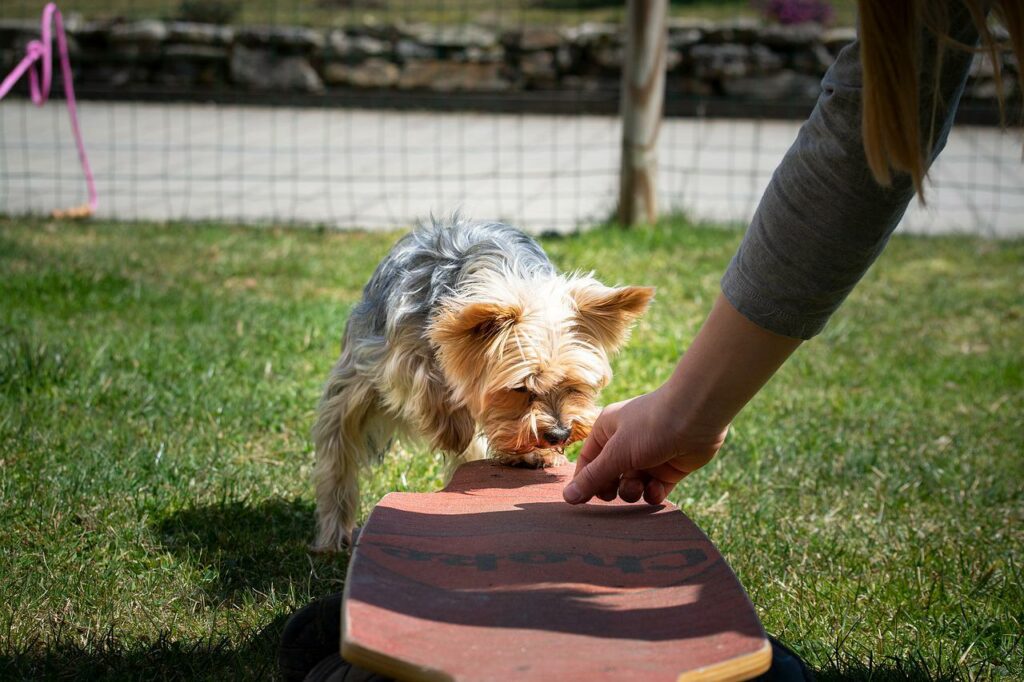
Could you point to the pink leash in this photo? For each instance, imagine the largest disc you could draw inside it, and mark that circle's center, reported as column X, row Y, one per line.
column 35, row 51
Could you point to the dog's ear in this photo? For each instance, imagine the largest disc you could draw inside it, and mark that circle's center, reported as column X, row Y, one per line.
column 472, row 325
column 606, row 313
column 464, row 339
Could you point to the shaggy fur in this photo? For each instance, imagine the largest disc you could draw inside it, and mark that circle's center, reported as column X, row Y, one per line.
column 466, row 337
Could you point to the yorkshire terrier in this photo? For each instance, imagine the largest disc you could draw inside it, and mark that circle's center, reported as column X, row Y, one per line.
column 468, row 338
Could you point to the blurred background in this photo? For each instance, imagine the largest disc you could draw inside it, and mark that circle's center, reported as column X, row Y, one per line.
column 373, row 113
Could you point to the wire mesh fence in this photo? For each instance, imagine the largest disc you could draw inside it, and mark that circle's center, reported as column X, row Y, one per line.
column 193, row 146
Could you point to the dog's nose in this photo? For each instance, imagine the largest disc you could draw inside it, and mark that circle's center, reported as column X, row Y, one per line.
column 557, row 435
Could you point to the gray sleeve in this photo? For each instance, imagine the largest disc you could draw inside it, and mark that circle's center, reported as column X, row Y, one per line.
column 823, row 219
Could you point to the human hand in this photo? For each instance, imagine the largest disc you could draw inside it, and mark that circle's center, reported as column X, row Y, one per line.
column 641, row 448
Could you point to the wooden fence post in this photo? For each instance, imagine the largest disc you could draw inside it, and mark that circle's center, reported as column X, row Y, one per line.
column 643, row 94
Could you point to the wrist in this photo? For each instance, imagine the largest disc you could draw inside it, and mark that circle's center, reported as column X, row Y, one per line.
column 691, row 410
column 728, row 362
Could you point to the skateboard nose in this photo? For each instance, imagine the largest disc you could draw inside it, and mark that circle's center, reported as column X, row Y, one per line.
column 557, row 435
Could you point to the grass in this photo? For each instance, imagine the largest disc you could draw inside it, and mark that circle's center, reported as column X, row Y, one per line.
column 323, row 13
column 157, row 385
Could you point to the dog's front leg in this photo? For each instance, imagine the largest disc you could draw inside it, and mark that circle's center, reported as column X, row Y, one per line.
column 477, row 449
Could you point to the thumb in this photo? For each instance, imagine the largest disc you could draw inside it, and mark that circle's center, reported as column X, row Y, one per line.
column 600, row 474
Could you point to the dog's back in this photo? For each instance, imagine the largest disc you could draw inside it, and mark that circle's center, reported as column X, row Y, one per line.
column 431, row 262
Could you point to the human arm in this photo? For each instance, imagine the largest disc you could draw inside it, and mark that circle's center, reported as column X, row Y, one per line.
column 686, row 420
column 820, row 225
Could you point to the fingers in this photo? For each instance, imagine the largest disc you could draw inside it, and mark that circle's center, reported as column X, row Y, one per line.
column 632, row 485
column 654, row 492
column 664, row 478
column 655, row 496
column 605, row 465
column 598, row 477
column 592, row 446
column 653, row 485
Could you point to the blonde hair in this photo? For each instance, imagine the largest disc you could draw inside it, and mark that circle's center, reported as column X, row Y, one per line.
column 890, row 53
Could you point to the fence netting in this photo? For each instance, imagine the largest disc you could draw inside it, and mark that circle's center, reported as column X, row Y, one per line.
column 505, row 110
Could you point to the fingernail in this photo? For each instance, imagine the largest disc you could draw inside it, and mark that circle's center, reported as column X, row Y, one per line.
column 572, row 494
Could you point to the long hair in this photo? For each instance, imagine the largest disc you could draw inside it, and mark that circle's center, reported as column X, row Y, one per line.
column 890, row 52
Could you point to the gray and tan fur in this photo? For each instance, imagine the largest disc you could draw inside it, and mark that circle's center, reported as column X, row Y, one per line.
column 468, row 338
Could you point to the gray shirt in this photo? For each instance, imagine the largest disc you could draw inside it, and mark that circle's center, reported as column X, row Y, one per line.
column 823, row 219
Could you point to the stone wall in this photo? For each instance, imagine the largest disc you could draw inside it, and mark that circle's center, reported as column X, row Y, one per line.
column 741, row 60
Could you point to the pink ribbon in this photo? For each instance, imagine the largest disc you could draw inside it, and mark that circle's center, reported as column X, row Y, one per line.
column 43, row 50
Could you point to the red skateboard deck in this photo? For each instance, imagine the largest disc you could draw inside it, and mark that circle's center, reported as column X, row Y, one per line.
column 496, row 578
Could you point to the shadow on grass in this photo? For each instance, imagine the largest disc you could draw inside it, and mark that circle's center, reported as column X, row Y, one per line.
column 888, row 670
column 248, row 548
column 245, row 550
column 66, row 656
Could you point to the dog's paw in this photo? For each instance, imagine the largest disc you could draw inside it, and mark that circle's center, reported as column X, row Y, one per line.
column 537, row 459
column 550, row 458
column 335, row 545
column 512, row 460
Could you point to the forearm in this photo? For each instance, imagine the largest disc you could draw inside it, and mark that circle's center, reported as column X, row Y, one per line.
column 728, row 362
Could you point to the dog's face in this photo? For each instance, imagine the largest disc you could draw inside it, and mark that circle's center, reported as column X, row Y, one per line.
column 529, row 357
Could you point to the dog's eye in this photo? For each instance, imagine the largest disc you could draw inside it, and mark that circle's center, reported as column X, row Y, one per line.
column 523, row 390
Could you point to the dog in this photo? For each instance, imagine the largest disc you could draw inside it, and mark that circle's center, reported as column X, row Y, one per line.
column 469, row 339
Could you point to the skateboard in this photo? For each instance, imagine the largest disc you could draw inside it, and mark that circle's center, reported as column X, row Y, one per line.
column 496, row 578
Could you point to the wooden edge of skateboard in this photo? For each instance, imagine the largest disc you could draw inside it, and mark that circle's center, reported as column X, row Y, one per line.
column 371, row 660
column 389, row 667
column 379, row 663
column 735, row 670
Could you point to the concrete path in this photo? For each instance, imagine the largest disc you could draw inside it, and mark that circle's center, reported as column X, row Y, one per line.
column 374, row 169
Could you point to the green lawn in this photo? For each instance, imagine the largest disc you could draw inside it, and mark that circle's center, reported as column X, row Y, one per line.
column 324, row 13
column 157, row 385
